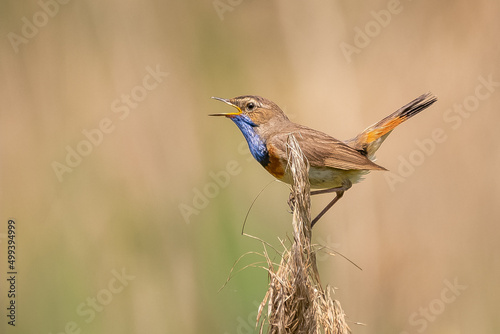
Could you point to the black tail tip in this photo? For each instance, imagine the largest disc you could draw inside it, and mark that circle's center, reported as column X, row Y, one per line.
column 420, row 103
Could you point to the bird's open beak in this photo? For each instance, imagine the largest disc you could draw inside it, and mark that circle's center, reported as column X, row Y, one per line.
column 231, row 104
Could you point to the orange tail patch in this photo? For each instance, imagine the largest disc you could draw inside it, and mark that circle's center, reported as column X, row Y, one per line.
column 373, row 134
column 372, row 137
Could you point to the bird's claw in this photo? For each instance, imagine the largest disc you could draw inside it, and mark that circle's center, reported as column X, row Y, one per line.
column 291, row 202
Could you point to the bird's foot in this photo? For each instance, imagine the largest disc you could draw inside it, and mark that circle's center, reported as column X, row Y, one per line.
column 291, row 202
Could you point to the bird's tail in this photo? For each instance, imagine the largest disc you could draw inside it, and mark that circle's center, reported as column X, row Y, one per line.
column 368, row 141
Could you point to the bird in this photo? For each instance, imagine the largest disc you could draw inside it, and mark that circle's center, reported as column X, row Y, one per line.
column 334, row 165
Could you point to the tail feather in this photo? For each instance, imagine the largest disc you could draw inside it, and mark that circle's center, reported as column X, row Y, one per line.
column 368, row 141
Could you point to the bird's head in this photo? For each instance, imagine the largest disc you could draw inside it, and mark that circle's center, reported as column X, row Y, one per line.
column 257, row 118
column 254, row 110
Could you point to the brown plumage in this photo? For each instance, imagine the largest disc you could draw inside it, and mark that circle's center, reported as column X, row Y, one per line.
column 334, row 164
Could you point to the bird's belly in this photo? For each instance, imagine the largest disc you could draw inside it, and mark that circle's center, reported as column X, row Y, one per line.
column 325, row 177
column 319, row 177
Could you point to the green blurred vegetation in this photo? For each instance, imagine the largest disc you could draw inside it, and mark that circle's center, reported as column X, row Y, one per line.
column 119, row 207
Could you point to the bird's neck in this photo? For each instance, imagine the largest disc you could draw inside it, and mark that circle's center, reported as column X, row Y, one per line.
column 256, row 144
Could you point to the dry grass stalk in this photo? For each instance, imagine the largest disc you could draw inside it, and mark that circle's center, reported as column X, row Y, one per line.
column 295, row 300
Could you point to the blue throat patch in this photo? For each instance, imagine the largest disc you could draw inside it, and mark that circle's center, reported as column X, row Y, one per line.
column 255, row 143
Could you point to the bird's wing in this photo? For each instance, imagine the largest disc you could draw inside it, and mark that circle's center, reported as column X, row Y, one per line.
column 322, row 150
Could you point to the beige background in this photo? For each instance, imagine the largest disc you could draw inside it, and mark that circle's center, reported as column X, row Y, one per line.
column 119, row 207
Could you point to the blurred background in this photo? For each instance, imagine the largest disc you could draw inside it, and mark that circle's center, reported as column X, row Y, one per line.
column 129, row 201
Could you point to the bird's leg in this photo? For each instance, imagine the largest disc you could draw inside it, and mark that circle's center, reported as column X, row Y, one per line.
column 337, row 197
column 346, row 184
column 339, row 193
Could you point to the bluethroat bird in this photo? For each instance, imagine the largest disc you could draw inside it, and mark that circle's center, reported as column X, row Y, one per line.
column 334, row 164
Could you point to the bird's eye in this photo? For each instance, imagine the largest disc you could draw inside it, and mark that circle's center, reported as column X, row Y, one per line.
column 250, row 106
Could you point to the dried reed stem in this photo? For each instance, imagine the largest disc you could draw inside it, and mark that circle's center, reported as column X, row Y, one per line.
column 295, row 300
